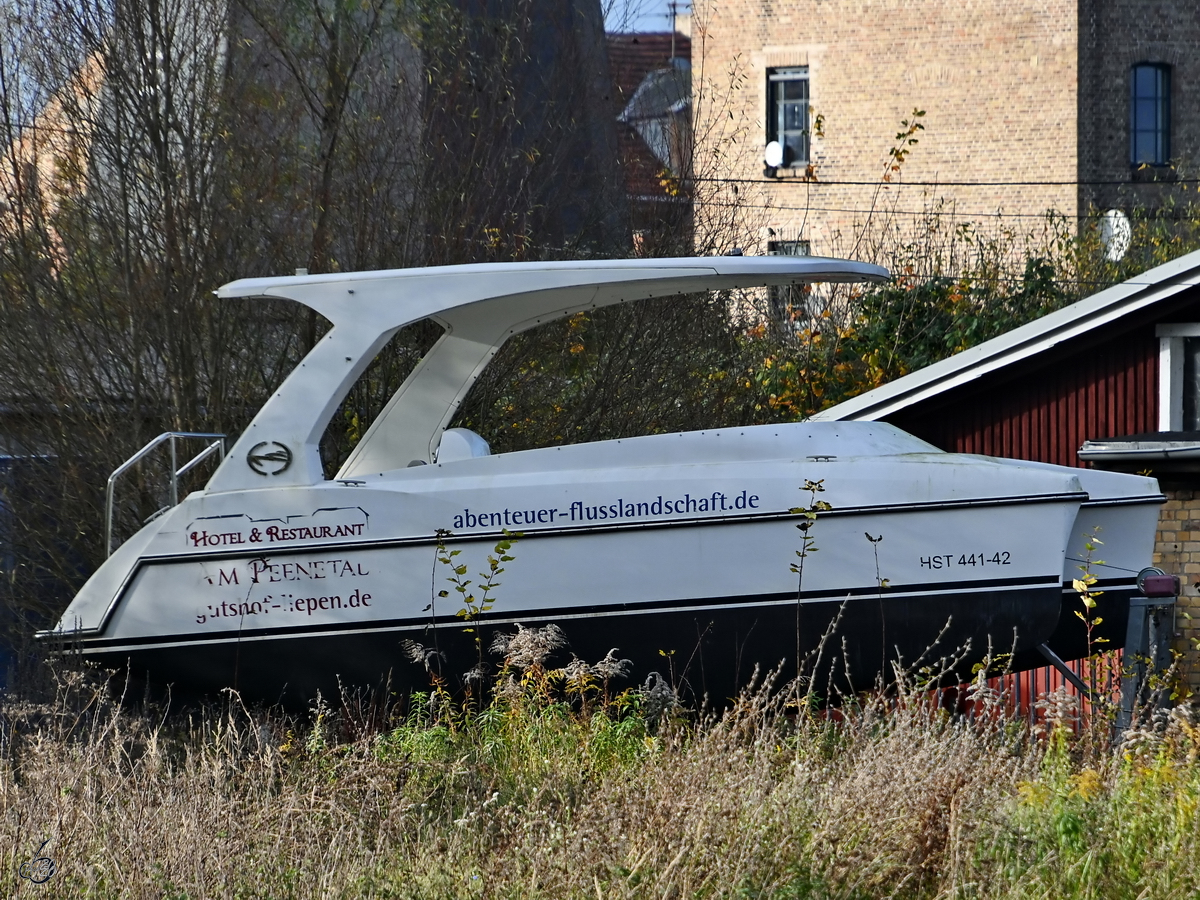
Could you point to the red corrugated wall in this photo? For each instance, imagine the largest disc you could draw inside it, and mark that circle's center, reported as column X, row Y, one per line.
column 1044, row 414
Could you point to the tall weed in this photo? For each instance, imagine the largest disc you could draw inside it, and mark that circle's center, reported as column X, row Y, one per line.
column 535, row 796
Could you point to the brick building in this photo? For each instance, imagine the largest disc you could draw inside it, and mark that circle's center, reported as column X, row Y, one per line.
column 1123, row 363
column 1055, row 104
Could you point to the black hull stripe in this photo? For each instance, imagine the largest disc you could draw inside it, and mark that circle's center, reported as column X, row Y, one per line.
column 258, row 551
column 1156, row 499
column 1104, row 583
column 916, row 591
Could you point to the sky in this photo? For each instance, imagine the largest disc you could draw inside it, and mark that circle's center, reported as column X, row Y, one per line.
column 640, row 15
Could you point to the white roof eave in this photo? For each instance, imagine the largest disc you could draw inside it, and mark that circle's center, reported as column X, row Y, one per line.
column 1029, row 340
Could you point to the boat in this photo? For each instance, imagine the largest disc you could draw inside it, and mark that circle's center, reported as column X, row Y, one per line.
column 701, row 556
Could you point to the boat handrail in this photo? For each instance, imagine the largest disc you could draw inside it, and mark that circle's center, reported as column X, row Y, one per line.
column 217, row 446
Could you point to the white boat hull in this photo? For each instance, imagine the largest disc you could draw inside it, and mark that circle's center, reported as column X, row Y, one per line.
column 689, row 558
column 675, row 549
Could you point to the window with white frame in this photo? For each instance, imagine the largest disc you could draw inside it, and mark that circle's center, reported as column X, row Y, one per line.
column 787, row 113
column 1179, row 376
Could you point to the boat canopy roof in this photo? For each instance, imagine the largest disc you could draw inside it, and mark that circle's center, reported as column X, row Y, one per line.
column 480, row 306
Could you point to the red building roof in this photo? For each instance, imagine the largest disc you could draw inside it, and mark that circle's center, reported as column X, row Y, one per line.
column 631, row 57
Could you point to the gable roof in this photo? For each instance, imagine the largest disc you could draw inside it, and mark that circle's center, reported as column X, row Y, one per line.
column 1039, row 336
column 632, row 57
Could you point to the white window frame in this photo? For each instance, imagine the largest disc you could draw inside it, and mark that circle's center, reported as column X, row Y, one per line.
column 779, row 76
column 1170, row 372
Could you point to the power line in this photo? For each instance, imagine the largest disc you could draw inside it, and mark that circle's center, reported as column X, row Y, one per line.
column 1007, row 279
column 950, row 213
column 877, row 183
column 777, row 182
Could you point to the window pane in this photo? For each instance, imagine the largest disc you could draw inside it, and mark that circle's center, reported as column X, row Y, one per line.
column 1145, row 82
column 1146, row 112
column 1191, row 384
column 1149, row 114
column 794, row 116
column 1144, row 147
column 787, row 248
column 795, row 90
column 788, row 309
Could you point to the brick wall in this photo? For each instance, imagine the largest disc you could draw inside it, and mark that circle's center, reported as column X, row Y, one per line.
column 1114, row 35
column 1014, row 90
column 997, row 79
column 1177, row 551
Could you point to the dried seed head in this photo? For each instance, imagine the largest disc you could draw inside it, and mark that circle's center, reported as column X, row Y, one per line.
column 475, row 674
column 529, row 647
column 421, row 655
column 1060, row 707
column 611, row 667
column 657, row 697
column 576, row 669
column 509, row 688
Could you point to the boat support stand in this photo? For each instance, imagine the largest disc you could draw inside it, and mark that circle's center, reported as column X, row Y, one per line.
column 1147, row 644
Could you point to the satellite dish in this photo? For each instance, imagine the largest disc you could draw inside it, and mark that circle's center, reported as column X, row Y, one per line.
column 1115, row 234
column 773, row 156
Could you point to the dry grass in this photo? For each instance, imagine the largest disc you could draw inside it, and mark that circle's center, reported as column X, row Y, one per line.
column 536, row 796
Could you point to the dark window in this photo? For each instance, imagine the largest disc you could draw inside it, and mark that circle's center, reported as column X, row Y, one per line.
column 1150, row 114
column 787, row 113
column 787, row 301
column 1191, row 384
column 788, row 248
